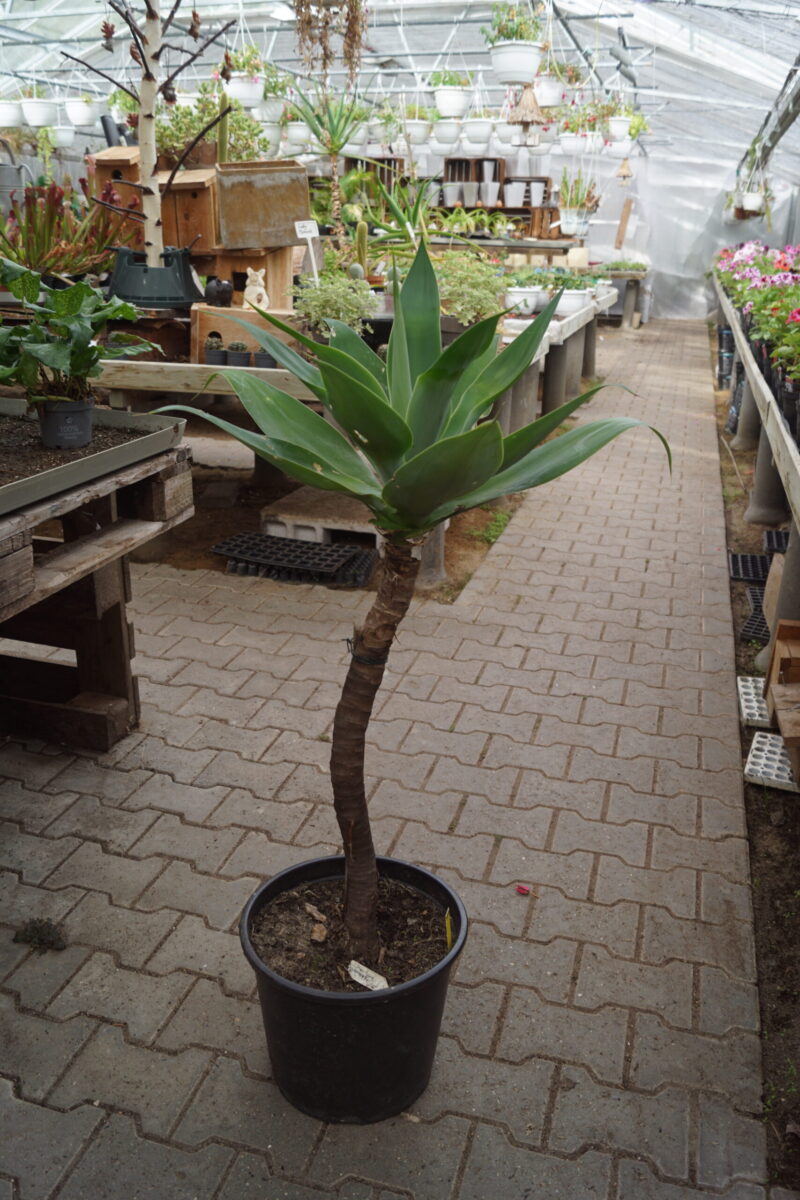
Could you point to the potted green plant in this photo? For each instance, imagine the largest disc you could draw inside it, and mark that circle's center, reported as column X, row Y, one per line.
column 56, row 354
column 409, row 440
column 243, row 72
column 470, row 286
column 451, row 92
column 577, row 198
column 513, row 40
column 335, row 296
column 238, row 354
column 638, row 125
column 548, row 86
column 417, row 122
column 178, row 125
column 214, row 351
column 333, row 121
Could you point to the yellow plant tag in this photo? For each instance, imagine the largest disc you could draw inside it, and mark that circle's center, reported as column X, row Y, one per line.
column 448, row 928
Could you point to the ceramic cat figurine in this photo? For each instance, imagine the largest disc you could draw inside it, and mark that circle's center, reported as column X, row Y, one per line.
column 255, row 292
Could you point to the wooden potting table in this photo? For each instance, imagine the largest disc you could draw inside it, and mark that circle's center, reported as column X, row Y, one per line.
column 64, row 582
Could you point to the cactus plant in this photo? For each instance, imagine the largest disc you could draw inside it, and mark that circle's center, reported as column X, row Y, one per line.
column 361, row 246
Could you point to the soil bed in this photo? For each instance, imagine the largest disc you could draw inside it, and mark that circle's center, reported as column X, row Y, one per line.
column 22, row 453
column 773, row 825
column 411, row 928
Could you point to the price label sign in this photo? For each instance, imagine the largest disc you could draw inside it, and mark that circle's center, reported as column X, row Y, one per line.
column 306, row 229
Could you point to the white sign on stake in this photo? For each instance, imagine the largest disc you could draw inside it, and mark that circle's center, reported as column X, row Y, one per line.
column 309, row 230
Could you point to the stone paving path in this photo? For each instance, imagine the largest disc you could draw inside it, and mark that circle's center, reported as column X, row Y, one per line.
column 570, row 723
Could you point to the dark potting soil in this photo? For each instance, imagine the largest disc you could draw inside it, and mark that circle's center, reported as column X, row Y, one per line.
column 22, row 453
column 410, row 926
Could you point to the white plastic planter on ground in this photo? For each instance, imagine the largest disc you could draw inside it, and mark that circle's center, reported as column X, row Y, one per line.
column 572, row 301
column 515, row 62
column 451, row 102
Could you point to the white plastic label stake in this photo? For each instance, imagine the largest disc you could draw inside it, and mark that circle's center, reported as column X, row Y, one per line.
column 309, row 230
column 367, row 978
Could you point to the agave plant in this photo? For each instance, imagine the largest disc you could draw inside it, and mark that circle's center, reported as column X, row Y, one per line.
column 412, row 440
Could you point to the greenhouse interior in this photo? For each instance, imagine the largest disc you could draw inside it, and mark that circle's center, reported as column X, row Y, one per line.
column 394, row 806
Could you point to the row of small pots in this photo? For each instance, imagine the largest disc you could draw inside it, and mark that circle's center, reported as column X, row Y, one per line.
column 238, row 358
column 514, row 193
column 529, row 300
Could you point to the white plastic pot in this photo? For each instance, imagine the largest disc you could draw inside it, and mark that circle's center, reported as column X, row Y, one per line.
column 37, row 113
column 515, row 62
column 81, row 112
column 548, row 90
column 271, row 109
column 506, row 133
column 490, row 190
column 594, row 142
column 478, row 129
column 753, row 201
column 359, row 136
column 247, row 90
column 522, row 299
column 298, row 134
column 572, row 301
column 618, row 128
column 272, row 132
column 63, row 135
column 573, row 143
column 514, row 193
column 451, row 193
column 447, row 131
column 620, row 149
column 450, row 102
column 374, row 130
column 536, row 194
column 470, row 193
column 10, row 114
column 418, row 132
column 473, row 149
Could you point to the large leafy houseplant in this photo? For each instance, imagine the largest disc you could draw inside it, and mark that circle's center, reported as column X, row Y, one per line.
column 411, row 440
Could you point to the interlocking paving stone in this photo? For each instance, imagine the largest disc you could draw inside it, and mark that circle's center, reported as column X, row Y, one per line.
column 471, row 1015
column 730, row 1064
column 220, row 901
column 89, row 818
column 91, row 867
column 488, row 955
column 569, row 872
column 605, row 979
column 40, row 976
column 731, row 1146
column 121, row 1163
column 174, row 838
column 251, row 1179
column 187, row 800
column 33, row 857
column 281, row 819
column 102, row 989
column 729, row 945
column 726, row 1003
column 612, row 925
column 194, row 947
column 676, row 890
column 38, row 1144
column 503, row 1171
column 36, row 1050
column 637, row 1182
column 534, row 1028
column 19, row 902
column 131, row 935
column 32, row 810
column 209, row 1018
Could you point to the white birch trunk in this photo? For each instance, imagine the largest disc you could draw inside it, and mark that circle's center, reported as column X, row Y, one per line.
column 148, row 94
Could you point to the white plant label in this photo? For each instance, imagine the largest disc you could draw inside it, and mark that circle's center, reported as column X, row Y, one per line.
column 367, row 978
column 306, row 229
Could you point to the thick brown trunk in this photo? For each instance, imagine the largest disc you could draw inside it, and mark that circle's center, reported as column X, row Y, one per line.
column 371, row 645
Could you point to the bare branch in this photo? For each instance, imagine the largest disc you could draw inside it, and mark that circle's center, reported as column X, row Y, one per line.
column 187, row 150
column 136, row 34
column 170, row 16
column 144, row 188
column 110, row 78
column 126, row 212
column 169, row 46
column 197, row 53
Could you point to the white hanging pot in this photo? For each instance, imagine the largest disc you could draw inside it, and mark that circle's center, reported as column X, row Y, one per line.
column 447, row 131
column 506, row 133
column 620, row 149
column 548, row 90
column 359, row 136
column 473, row 149
column 271, row 109
column 575, row 95
column 37, row 113
column 478, row 129
column 245, row 89
column 572, row 301
column 374, row 130
column 298, row 134
column 272, row 132
column 515, row 62
column 594, row 142
column 450, row 102
column 618, row 128
column 81, row 112
column 418, row 131
column 753, row 201
column 10, row 114
column 572, row 143
column 63, row 135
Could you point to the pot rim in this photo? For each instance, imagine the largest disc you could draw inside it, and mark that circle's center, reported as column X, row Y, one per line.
column 362, row 998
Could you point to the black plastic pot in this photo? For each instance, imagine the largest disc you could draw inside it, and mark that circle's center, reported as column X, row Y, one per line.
column 262, row 358
column 346, row 1056
column 65, row 424
column 216, row 358
column 238, row 358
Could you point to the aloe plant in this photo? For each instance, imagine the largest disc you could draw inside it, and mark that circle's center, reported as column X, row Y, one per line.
column 332, row 120
column 412, row 440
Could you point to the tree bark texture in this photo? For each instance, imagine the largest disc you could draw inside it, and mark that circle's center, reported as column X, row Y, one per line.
column 336, row 201
column 371, row 645
column 148, row 95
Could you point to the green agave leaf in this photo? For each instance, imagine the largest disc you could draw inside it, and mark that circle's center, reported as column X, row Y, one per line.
column 288, row 358
column 398, row 366
column 501, row 373
column 281, row 416
column 347, row 340
column 550, row 460
column 297, row 461
column 419, row 300
column 361, row 410
column 518, row 444
column 434, row 390
column 443, row 471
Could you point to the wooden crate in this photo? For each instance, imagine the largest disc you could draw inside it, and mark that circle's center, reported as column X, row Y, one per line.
column 232, row 264
column 189, row 210
column 206, row 319
column 259, row 203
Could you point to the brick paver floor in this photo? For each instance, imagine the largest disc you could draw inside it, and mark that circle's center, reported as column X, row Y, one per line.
column 570, row 723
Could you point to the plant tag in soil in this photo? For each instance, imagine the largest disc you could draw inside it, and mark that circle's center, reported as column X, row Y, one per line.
column 367, row 978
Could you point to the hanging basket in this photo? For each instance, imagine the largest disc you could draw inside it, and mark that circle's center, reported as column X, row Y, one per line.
column 450, row 102
column 10, row 114
column 81, row 112
column 549, row 90
column 515, row 62
column 38, row 113
column 245, row 89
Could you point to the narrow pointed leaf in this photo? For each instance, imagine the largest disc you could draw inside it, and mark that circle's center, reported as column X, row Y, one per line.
column 288, row 358
column 419, row 300
column 434, row 390
column 346, row 339
column 518, row 444
column 368, row 421
column 501, row 373
column 398, row 366
column 296, row 461
column 443, row 471
column 281, row 416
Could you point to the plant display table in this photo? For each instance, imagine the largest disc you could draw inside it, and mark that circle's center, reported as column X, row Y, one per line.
column 571, row 351
column 64, row 582
column 631, row 295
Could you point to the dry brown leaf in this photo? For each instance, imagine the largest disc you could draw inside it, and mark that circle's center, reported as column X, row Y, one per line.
column 315, row 913
column 319, row 932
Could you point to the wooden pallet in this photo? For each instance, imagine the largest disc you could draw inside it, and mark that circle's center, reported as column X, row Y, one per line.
column 64, row 582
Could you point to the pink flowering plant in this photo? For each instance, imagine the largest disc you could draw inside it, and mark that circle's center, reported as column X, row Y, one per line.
column 764, row 284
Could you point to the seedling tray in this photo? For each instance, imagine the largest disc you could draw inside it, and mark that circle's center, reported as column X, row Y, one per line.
column 158, row 434
column 755, row 629
column 748, row 568
column 755, row 598
column 293, row 561
column 776, row 541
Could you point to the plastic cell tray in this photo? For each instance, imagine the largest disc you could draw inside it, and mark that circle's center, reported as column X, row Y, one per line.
column 776, row 541
column 748, row 568
column 752, row 705
column 768, row 763
column 293, row 561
